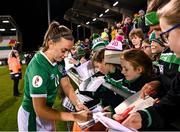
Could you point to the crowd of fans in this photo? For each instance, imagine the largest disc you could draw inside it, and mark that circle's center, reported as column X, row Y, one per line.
column 147, row 64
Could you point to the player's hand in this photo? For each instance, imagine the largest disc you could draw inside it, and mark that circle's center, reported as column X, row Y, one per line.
column 80, row 106
column 82, row 116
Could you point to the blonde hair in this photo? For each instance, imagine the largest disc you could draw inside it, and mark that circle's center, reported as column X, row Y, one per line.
column 171, row 12
column 154, row 5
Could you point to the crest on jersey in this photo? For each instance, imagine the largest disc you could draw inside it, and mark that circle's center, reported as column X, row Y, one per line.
column 37, row 81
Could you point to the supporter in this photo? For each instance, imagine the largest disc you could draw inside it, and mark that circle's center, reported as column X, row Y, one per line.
column 151, row 18
column 141, row 22
column 123, row 38
column 81, row 53
column 15, row 70
column 135, row 20
column 136, row 36
column 42, row 79
column 127, row 25
column 113, row 32
column 137, row 69
column 87, row 43
column 119, row 38
column 105, row 36
column 73, row 52
column 158, row 116
column 146, row 47
column 142, row 69
column 157, row 48
column 165, row 62
column 112, row 71
column 94, row 36
column 98, row 44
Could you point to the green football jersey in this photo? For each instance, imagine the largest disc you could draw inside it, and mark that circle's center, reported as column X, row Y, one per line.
column 41, row 79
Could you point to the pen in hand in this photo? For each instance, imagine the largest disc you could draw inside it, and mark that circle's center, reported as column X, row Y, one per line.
column 121, row 117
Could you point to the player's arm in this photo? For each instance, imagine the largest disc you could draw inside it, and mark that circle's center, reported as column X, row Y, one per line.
column 42, row 111
column 69, row 91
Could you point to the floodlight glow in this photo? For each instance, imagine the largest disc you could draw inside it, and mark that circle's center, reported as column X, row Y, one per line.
column 5, row 21
column 87, row 23
column 106, row 10
column 115, row 3
column 94, row 19
column 13, row 29
column 2, row 29
column 100, row 15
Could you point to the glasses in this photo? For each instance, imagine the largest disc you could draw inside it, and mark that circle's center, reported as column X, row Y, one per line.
column 145, row 47
column 164, row 35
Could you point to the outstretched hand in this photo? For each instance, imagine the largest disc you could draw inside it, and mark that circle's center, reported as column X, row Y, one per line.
column 134, row 120
column 149, row 89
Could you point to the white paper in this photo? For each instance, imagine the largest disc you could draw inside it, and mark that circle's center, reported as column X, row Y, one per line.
column 142, row 104
column 95, row 83
column 68, row 65
column 91, row 84
column 95, row 109
column 136, row 101
column 85, row 70
column 83, row 85
column 111, row 124
column 67, row 103
column 116, row 90
column 83, row 98
column 74, row 77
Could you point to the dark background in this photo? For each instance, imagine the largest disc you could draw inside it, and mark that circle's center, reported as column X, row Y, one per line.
column 32, row 18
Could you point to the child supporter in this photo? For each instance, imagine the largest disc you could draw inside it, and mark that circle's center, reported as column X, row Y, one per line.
column 137, row 69
column 136, row 36
column 113, row 71
column 146, row 47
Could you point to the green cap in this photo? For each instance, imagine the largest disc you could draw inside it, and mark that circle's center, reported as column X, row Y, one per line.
column 159, row 41
column 151, row 19
column 80, row 51
column 98, row 43
column 152, row 36
column 95, row 36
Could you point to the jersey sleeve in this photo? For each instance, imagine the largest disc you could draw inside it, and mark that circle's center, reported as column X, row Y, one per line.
column 38, row 81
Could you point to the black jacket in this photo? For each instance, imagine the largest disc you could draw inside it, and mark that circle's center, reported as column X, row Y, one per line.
column 166, row 111
column 168, row 67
